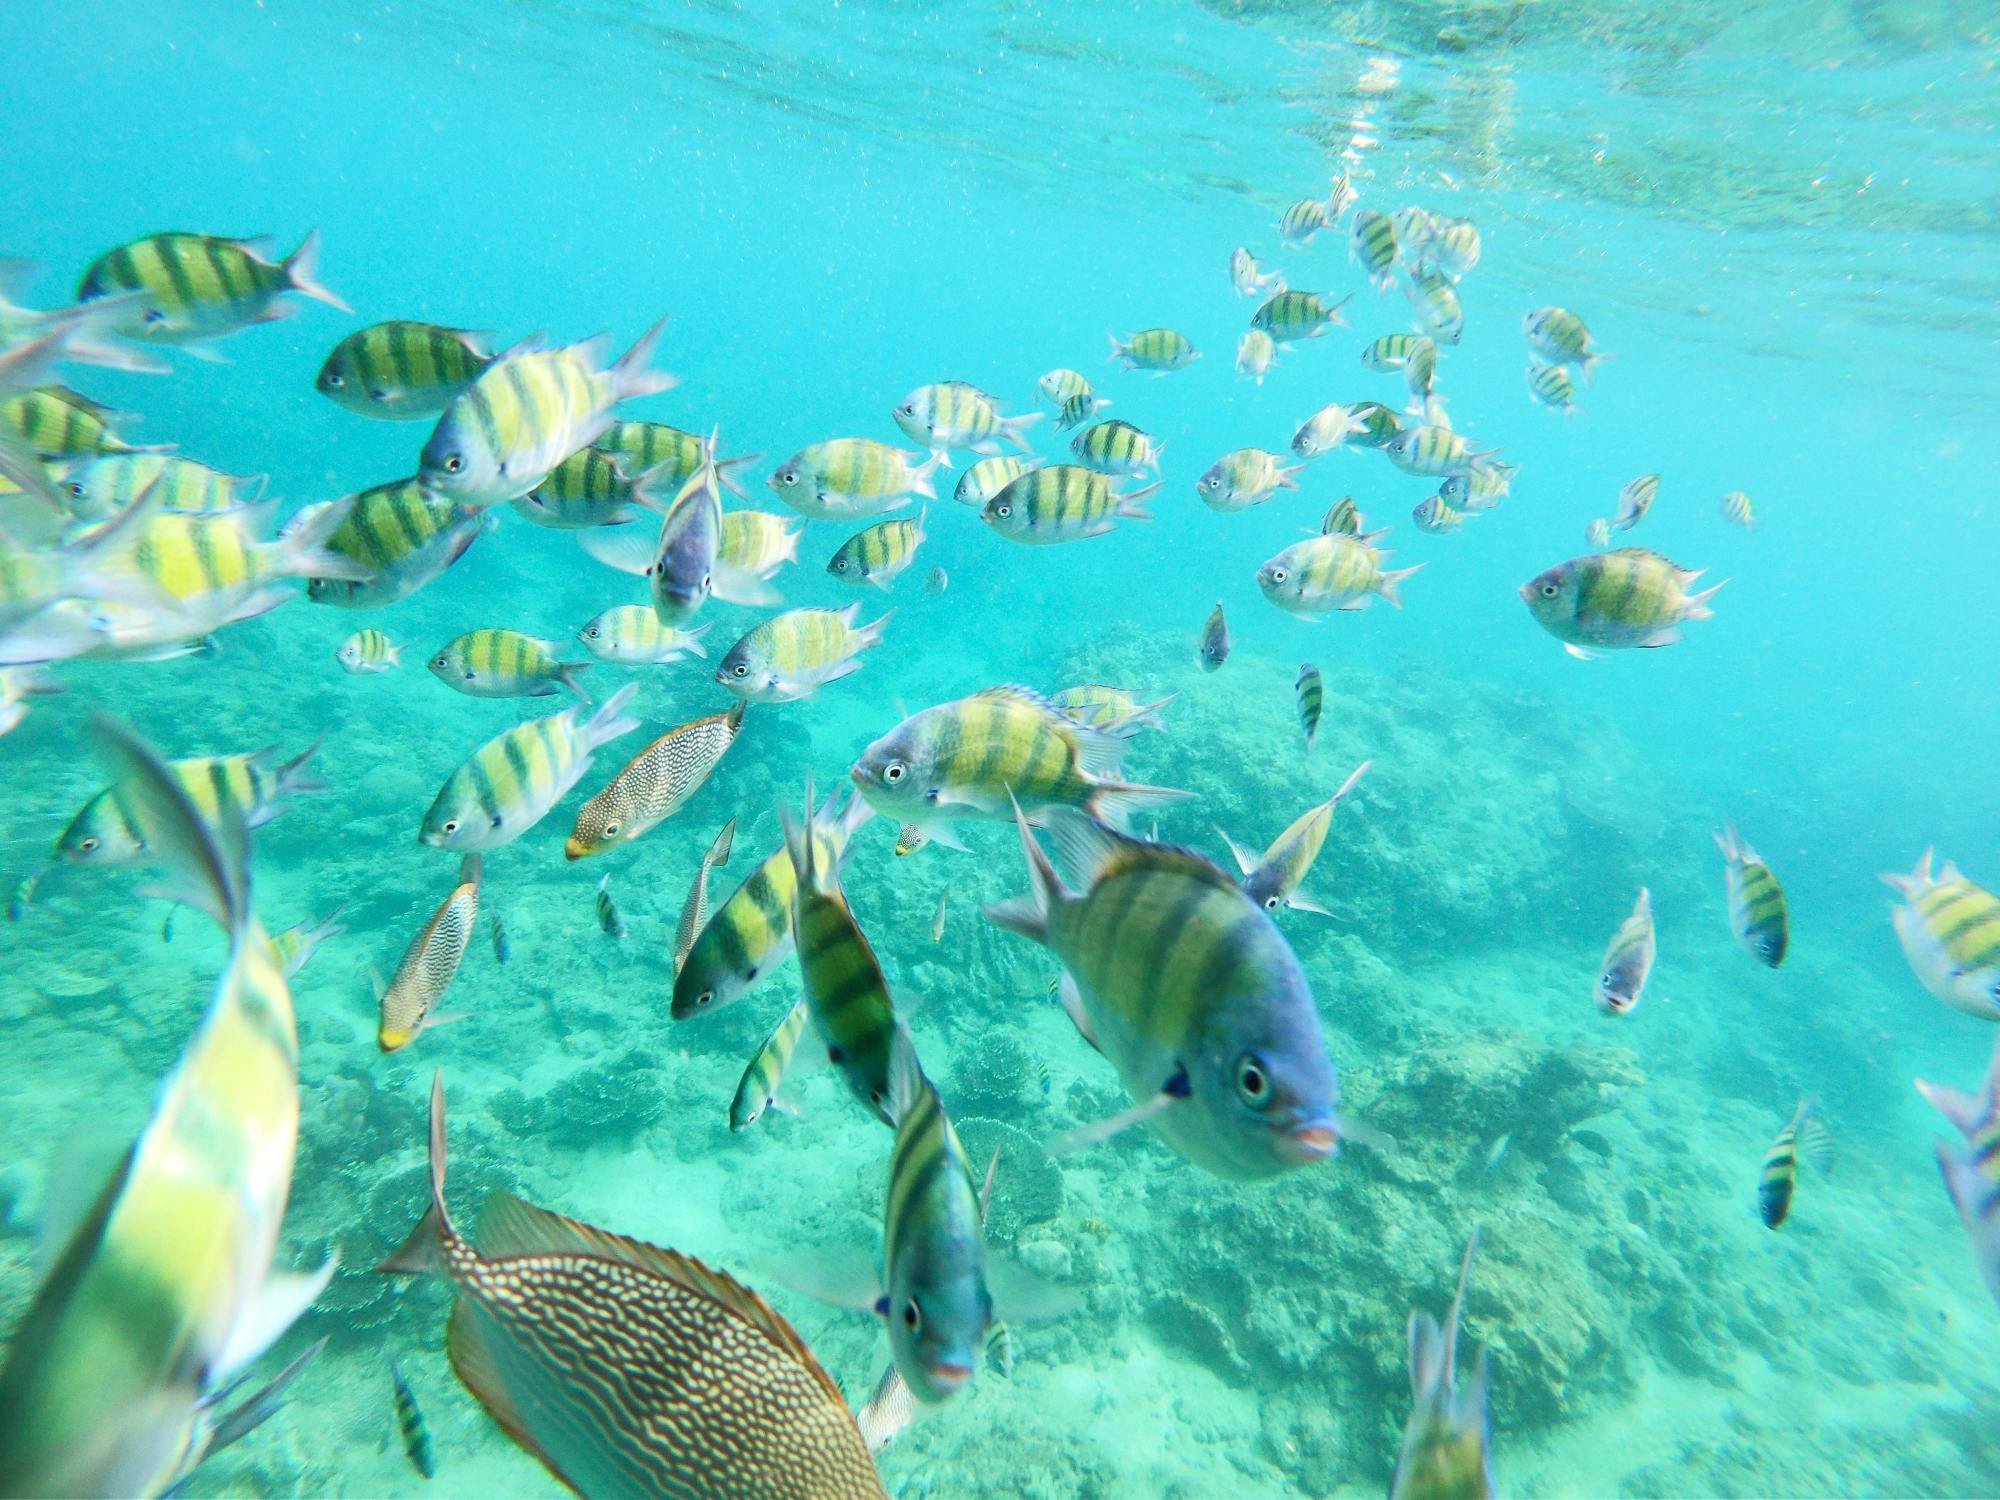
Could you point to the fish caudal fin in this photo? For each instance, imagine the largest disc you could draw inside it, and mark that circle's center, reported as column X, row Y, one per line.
column 609, row 721
column 302, row 273
column 630, row 377
column 1390, row 587
column 921, row 477
column 423, row 1251
column 1012, row 428
column 1695, row 607
column 1133, row 506
column 1114, row 803
column 566, row 674
column 1029, row 915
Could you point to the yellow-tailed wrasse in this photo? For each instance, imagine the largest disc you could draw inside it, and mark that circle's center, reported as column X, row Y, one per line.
column 1779, row 1180
column 1256, row 352
column 166, row 1290
column 1155, row 349
column 367, row 652
column 911, row 837
column 694, row 910
column 1343, row 516
column 1950, row 932
column 1557, row 336
column 1326, row 430
column 1448, row 1440
column 1551, row 386
column 292, row 949
column 792, row 655
column 1250, row 279
column 509, row 784
column 491, row 663
column 1379, row 424
column 953, row 414
column 410, row 1424
column 979, row 756
column 1247, row 477
column 1272, row 878
column 1453, row 246
column 1097, row 706
column 937, row 921
column 1736, row 509
column 401, row 370
column 1972, row 1171
column 55, row 422
column 1635, row 500
column 1390, row 352
column 409, row 1001
column 1628, row 960
column 1432, row 450
column 1061, row 385
column 937, row 580
column 851, row 477
column 934, row 1298
column 106, row 483
column 1610, row 601
column 1301, row 221
column 528, row 411
column 879, row 554
column 249, row 789
column 669, row 455
column 592, row 488
column 632, row 635
column 1213, row 649
column 1436, row 517
column 1118, row 448
column 200, row 286
column 849, row 996
column 758, row 1089
column 751, row 933
column 1372, row 246
column 1182, row 982
column 1598, row 533
column 1063, row 503
column 1437, row 306
column 1329, row 572
column 1483, row 488
column 1311, row 692
column 990, row 476
column 627, row 1369
column 402, row 536
column 608, row 919
column 1757, row 911
column 1298, row 315
column 655, row 784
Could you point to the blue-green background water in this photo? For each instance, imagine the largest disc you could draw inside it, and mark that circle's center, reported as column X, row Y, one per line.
column 1783, row 223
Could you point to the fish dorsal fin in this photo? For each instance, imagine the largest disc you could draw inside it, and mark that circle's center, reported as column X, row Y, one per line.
column 510, row 1226
column 465, row 1344
column 1015, row 693
column 1093, row 853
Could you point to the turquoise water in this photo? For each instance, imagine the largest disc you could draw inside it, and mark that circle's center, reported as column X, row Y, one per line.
column 1781, row 222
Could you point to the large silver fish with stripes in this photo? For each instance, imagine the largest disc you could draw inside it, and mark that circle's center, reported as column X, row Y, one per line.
column 1271, row 879
column 409, row 1001
column 401, row 536
column 694, row 911
column 1628, row 960
column 509, row 784
column 629, row 1370
column 166, row 1291
column 758, row 1089
column 201, row 286
column 655, row 784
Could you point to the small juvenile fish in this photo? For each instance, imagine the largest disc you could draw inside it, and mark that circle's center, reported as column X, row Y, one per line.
column 1614, row 600
column 293, row 948
column 1062, row 386
column 1310, row 691
column 792, row 655
column 1063, row 503
column 1628, row 960
column 608, row 919
column 1379, row 424
column 1805, row 1136
column 1429, row 449
column 401, row 536
column 1074, row 412
column 1434, row 516
column 1326, row 430
column 990, row 476
column 1155, row 349
column 1437, row 306
column 694, row 911
column 1248, row 278
column 1481, row 489
column 1332, row 571
column 1097, row 706
column 911, row 837
column 1214, row 639
column 937, row 922
column 1256, row 352
column 1372, row 246
column 509, row 784
column 953, row 414
column 879, row 554
column 1757, row 911
column 1552, row 387
column 1598, row 533
column 632, row 635
column 103, row 485
column 1247, row 477
column 1391, row 352
column 853, row 477
column 1341, row 197
column 1949, row 929
column 1290, row 315
column 1045, row 1081
column 1972, row 1169
column 400, row 370
column 1448, row 1440
column 367, row 652
column 1736, row 509
column 1635, row 500
column 201, row 286
column 654, row 785
column 1272, row 878
column 505, row 664
column 503, row 947
column 937, row 580
column 1557, row 336
column 1497, row 1152
column 758, row 1089
column 1301, row 221
column 1413, row 232
column 1117, row 448
column 429, row 964
column 410, row 1423
column 1420, row 375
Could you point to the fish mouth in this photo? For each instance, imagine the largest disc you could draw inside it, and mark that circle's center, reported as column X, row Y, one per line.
column 950, row 1375
column 575, row 848
column 1314, row 1140
column 1527, row 593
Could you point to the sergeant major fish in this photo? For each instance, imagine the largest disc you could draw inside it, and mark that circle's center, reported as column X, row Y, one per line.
column 398, row 537
column 1310, row 691
column 1615, row 600
column 1063, row 503
column 1634, row 500
column 694, row 910
column 879, row 554
column 757, row 1090
column 1972, row 1169
column 792, row 655
column 990, row 476
column 1557, row 336
column 201, row 286
column 632, row 635
column 1448, row 1440
column 1272, row 878
column 1118, row 448
column 609, row 921
column 1293, row 315
column 1757, row 912
column 367, row 652
column 490, row 663
column 401, row 370
column 852, row 477
column 1628, row 960
column 1804, row 1136
column 1250, row 279
column 1214, row 646
column 109, row 829
column 1329, row 572
column 1156, row 349
column 953, row 414
column 1246, row 477
column 416, row 1432
column 1949, row 929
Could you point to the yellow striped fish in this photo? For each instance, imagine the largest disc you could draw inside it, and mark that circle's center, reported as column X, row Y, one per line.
column 1481, row 489
column 1157, row 349
column 1301, row 221
column 509, row 784
column 1063, row 385
column 632, row 635
column 367, row 652
column 1778, row 1181
column 410, row 1423
column 670, row 455
column 1736, row 510
column 755, row 545
column 1344, row 517
column 401, row 370
column 55, row 422
column 105, row 484
column 655, row 784
column 1248, row 279
column 1430, row 449
column 528, row 411
column 213, row 571
column 492, row 663
column 1372, row 246
column 95, row 566
column 1293, row 315
column 1326, row 430
column 1448, row 1439
column 1063, row 503
column 627, row 1369
column 879, row 554
column 1634, row 500
column 849, row 478
column 1971, row 1169
column 953, row 414
column 292, row 949
column 1950, row 932
column 694, row 911
column 1099, row 706
column 110, row 828
column 1249, row 476
column 200, row 286
column 792, row 655
column 1332, row 571
column 1628, row 959
column 401, row 537
column 1391, row 351
column 1436, row 517
column 758, row 1089
column 1611, row 601
column 1551, row 386
column 1311, row 693
column 1212, row 647
column 990, row 476
column 409, row 1001
column 1272, row 878
column 1557, row 336
column 1757, row 911
column 166, row 1290
column 1117, row 448
column 1255, row 354
column 1437, row 306
column 592, row 488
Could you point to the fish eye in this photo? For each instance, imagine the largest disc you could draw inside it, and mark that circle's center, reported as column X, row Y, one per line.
column 450, row 827
column 453, row 464
column 893, row 772
column 593, row 632
column 788, row 476
column 1252, row 1082
column 1279, row 575
column 1272, row 903
column 334, row 379
column 611, row 829
column 840, row 564
column 154, row 315
column 740, row 669
column 498, row 819
column 913, row 1317
column 1003, row 510
column 1608, row 979
column 908, row 409
column 1550, row 590
column 87, row 845
column 76, row 488
column 441, row 661
column 704, row 997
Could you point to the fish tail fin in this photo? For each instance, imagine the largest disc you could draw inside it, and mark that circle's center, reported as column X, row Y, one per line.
column 1969, row 1191
column 328, row 926
column 1353, row 780
column 1728, row 842
column 725, row 472
column 1246, row 860
column 906, row 1074
column 470, row 869
column 1450, row 1352
column 630, row 377
column 304, row 553
column 1954, row 1104
column 566, row 674
column 1590, row 361
column 1427, row 1366
column 871, row 634
column 609, row 721
column 922, row 480
column 1132, row 505
column 293, row 775
column 211, row 859
column 1115, row 803
column 1916, row 882
column 1012, row 427
column 799, row 845
column 424, row 1249
column 1145, row 716
column 1696, row 605
column 725, row 841
column 1815, row 1140
column 691, row 640
column 301, row 270
column 1392, row 581
column 247, row 1415
column 1029, row 914
column 1118, row 349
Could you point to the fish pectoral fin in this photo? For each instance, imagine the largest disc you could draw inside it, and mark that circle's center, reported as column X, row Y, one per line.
column 1020, row 1296
column 1305, row 903
column 941, row 834
column 1579, row 653
column 278, row 1302
column 1665, row 636
column 1090, row 1135
column 838, row 1275
column 247, row 1415
column 1068, row 997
